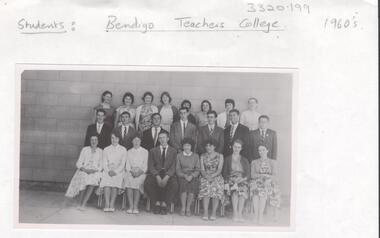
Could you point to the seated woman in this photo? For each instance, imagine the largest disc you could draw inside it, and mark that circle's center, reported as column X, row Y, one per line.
column 187, row 169
column 168, row 112
column 88, row 174
column 201, row 117
column 212, row 183
column 114, row 157
column 236, row 173
column 264, row 184
column 144, row 112
column 105, row 104
column 136, row 166
column 128, row 100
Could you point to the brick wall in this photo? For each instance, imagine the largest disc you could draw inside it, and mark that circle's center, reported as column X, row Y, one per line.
column 56, row 107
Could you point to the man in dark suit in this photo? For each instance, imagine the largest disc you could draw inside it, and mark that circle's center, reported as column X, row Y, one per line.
column 235, row 131
column 211, row 130
column 263, row 136
column 125, row 131
column 161, row 183
column 182, row 129
column 101, row 129
column 150, row 136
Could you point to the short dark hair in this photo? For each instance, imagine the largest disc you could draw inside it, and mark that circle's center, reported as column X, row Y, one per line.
column 147, row 94
column 94, row 134
column 264, row 117
column 184, row 108
column 104, row 94
column 238, row 141
column 209, row 105
column 210, row 141
column 126, row 113
column 136, row 135
column 155, row 114
column 212, row 112
column 235, row 110
column 184, row 102
column 128, row 94
column 118, row 135
column 164, row 132
column 229, row 100
column 189, row 141
column 101, row 110
column 165, row 94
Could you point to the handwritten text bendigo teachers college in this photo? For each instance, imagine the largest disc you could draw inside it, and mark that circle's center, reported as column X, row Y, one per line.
column 134, row 24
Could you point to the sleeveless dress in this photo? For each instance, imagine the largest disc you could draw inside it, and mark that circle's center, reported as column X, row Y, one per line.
column 167, row 116
column 81, row 179
column 145, row 113
column 214, row 188
column 263, row 185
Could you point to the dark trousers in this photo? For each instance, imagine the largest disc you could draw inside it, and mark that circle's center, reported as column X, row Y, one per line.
column 156, row 193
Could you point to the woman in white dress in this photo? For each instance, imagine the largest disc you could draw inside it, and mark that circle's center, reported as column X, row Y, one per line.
column 114, row 157
column 136, row 167
column 168, row 112
column 88, row 174
column 128, row 100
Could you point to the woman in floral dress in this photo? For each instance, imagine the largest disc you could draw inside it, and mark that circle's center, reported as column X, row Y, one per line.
column 144, row 113
column 128, row 100
column 212, row 183
column 264, row 184
column 236, row 173
column 88, row 174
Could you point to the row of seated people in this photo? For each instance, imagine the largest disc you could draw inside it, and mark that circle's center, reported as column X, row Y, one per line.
column 164, row 170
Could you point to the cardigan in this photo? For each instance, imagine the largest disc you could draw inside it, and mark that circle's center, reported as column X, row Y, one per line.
column 244, row 164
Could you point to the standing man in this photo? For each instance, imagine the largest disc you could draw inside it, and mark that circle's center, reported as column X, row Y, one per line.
column 223, row 119
column 250, row 117
column 211, row 130
column 233, row 132
column 182, row 129
column 263, row 136
column 150, row 136
column 161, row 184
column 125, row 131
column 99, row 128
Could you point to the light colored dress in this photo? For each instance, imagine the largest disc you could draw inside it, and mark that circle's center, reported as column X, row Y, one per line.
column 167, row 116
column 113, row 159
column 201, row 119
column 262, row 183
column 88, row 160
column 250, row 119
column 214, row 188
column 136, row 158
column 222, row 119
column 143, row 117
column 132, row 112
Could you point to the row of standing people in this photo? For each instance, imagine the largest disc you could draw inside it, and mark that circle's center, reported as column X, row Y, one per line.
column 161, row 171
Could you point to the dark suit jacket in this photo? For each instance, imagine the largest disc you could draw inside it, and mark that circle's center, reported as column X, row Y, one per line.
column 155, row 161
column 191, row 118
column 127, row 140
column 204, row 134
column 148, row 140
column 104, row 137
column 241, row 133
column 270, row 141
column 176, row 134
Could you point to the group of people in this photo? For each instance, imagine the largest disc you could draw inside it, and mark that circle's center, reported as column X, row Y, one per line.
column 165, row 152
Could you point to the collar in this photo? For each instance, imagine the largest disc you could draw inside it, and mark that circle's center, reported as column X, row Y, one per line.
column 184, row 153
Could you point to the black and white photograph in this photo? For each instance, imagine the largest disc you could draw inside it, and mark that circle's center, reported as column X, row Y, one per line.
column 157, row 146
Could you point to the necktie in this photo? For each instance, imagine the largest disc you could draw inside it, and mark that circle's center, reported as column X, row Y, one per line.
column 124, row 131
column 155, row 136
column 163, row 155
column 183, row 130
column 262, row 133
column 211, row 130
column 98, row 129
column 232, row 132
column 227, row 121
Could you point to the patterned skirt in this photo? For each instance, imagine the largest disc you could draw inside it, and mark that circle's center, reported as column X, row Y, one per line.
column 188, row 187
column 80, row 181
column 236, row 183
column 264, row 186
column 212, row 189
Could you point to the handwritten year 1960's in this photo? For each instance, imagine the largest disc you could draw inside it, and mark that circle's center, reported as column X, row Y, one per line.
column 286, row 7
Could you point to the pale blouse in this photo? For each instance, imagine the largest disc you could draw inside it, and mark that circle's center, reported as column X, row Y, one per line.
column 167, row 116
column 137, row 158
column 250, row 119
column 89, row 160
column 114, row 158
